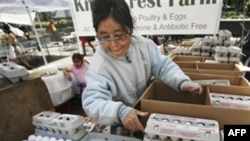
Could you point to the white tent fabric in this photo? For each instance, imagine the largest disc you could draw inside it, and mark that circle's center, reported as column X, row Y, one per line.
column 14, row 11
column 27, row 7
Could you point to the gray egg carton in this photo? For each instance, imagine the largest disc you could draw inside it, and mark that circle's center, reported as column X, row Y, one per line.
column 13, row 72
column 107, row 137
column 213, row 82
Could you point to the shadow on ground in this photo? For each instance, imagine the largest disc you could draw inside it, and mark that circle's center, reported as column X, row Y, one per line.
column 38, row 60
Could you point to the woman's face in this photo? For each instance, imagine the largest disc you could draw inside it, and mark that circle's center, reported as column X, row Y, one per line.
column 113, row 38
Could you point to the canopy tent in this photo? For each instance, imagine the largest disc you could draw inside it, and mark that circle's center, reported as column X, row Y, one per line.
column 23, row 11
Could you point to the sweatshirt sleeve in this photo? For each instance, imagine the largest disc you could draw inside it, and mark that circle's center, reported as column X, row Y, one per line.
column 164, row 69
column 97, row 101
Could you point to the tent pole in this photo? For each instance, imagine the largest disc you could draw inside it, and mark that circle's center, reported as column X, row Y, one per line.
column 36, row 34
column 38, row 18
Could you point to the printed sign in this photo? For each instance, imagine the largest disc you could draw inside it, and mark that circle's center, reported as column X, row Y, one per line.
column 157, row 17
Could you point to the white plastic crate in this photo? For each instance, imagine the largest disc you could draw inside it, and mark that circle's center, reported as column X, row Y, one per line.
column 230, row 101
column 172, row 127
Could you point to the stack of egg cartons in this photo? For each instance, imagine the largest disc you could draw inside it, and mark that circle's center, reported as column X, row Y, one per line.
column 178, row 51
column 187, row 51
column 234, row 54
column 225, row 37
column 196, row 48
column 221, row 54
column 13, row 72
column 206, row 48
column 226, row 52
column 171, row 127
column 60, row 126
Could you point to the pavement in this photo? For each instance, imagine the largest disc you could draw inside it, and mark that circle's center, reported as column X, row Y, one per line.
column 56, row 55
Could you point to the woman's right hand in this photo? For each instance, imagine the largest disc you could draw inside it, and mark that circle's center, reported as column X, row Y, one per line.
column 132, row 122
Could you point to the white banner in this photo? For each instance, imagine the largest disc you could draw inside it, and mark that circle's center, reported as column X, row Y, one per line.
column 156, row 17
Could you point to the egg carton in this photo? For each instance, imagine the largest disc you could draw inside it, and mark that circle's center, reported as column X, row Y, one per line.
column 197, row 45
column 107, row 137
column 220, row 59
column 42, row 119
column 213, row 82
column 206, row 54
column 79, row 134
column 234, row 51
column 206, row 47
column 228, row 43
column 221, row 50
column 44, row 138
column 230, row 101
column 160, row 126
column 187, row 51
column 67, row 121
column 218, row 42
column 195, row 53
column 234, row 60
column 225, row 34
column 208, row 39
column 14, row 72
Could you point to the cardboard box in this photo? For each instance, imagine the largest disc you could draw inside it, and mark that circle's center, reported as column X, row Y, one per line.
column 185, row 58
column 234, row 80
column 210, row 68
column 159, row 98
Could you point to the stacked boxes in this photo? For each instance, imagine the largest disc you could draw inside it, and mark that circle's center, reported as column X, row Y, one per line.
column 175, row 128
column 220, row 47
column 58, row 125
column 13, row 72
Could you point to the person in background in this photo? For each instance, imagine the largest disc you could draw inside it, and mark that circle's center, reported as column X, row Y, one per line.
column 25, row 31
column 53, row 31
column 78, row 69
column 88, row 40
column 123, row 67
column 15, row 52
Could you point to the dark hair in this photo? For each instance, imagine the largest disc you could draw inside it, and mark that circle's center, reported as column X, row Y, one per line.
column 77, row 56
column 117, row 9
column 6, row 28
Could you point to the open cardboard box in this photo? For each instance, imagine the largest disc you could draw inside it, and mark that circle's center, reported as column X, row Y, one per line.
column 159, row 98
column 210, row 68
column 234, row 80
column 185, row 58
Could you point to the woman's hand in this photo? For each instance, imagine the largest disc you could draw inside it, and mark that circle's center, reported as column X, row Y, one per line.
column 191, row 87
column 132, row 123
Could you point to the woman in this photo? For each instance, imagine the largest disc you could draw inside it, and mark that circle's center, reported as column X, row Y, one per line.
column 121, row 69
column 15, row 52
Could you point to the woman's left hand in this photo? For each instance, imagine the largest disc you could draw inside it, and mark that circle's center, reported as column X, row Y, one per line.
column 132, row 122
column 191, row 87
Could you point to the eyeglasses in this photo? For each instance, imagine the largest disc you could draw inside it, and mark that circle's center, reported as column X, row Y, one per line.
column 115, row 39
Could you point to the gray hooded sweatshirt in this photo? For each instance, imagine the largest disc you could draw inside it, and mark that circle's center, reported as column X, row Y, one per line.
column 115, row 84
